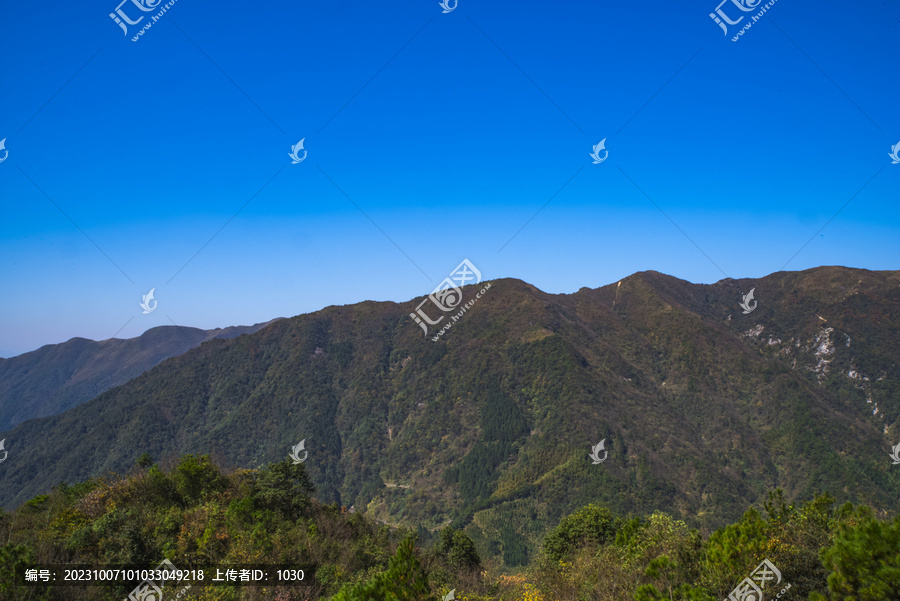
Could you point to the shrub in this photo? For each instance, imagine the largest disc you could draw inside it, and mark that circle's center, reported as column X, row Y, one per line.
column 459, row 550
column 195, row 477
column 864, row 559
column 404, row 580
column 590, row 526
column 284, row 487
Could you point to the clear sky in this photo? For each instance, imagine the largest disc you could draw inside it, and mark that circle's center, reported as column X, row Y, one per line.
column 431, row 137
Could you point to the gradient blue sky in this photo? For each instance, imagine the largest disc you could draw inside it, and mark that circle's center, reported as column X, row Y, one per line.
column 449, row 131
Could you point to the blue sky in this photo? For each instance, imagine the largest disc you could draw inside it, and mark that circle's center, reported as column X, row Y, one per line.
column 431, row 138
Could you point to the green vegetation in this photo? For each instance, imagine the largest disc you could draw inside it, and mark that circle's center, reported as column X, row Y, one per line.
column 194, row 514
column 825, row 553
column 590, row 527
column 864, row 558
column 57, row 377
column 702, row 408
column 404, row 580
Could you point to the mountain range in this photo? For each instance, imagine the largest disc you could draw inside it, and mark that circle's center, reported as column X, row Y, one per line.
column 57, row 377
column 703, row 407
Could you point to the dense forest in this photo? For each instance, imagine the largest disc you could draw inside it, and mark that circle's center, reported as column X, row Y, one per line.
column 193, row 513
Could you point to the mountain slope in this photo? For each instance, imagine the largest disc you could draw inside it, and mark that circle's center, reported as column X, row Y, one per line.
column 703, row 409
column 57, row 377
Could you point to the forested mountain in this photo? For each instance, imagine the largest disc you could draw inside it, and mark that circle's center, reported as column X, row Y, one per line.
column 57, row 377
column 702, row 408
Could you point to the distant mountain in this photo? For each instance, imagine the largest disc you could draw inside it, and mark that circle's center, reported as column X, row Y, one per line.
column 57, row 377
column 703, row 407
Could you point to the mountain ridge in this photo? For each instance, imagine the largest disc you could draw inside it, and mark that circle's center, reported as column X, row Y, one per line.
column 704, row 409
column 57, row 377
